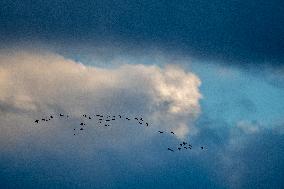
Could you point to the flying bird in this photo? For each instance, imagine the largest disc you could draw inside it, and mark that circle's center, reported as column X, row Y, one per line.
column 170, row 149
column 37, row 121
column 160, row 131
column 61, row 115
column 172, row 132
column 146, row 124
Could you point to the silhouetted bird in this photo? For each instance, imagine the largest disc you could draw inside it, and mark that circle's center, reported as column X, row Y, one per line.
column 61, row 115
column 112, row 119
column 146, row 124
column 74, row 134
column 107, row 120
column 81, row 129
column 100, row 119
column 185, row 147
column 170, row 149
column 37, row 121
column 180, row 144
column 90, row 118
column 160, row 131
column 74, row 129
column 136, row 118
column 51, row 117
column 179, row 148
column 127, row 118
column 140, row 122
column 202, row 147
column 184, row 143
column 141, row 119
column 119, row 116
column 98, row 115
column 43, row 119
column 172, row 132
column 81, row 123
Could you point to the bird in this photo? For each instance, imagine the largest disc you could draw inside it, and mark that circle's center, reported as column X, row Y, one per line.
column 184, row 143
column 112, row 119
column 170, row 149
column 127, row 118
column 136, row 118
column 202, row 147
column 140, row 122
column 180, row 144
column 90, row 118
column 61, row 115
column 146, row 124
column 98, row 115
column 81, row 129
column 179, row 148
column 107, row 120
column 74, row 129
column 172, row 132
column 51, row 117
column 160, row 131
column 37, row 121
column 81, row 123
column 185, row 147
column 43, row 119
column 141, row 119
column 119, row 116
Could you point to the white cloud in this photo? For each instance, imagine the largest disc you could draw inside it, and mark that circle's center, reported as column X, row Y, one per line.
column 42, row 83
column 248, row 127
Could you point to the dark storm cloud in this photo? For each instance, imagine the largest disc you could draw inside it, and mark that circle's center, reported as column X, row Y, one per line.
column 237, row 31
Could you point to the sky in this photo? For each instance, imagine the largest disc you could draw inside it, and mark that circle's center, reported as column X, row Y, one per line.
column 210, row 72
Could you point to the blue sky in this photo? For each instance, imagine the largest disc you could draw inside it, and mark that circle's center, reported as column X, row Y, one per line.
column 210, row 72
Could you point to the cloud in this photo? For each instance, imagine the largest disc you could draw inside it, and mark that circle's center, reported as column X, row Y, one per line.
column 41, row 83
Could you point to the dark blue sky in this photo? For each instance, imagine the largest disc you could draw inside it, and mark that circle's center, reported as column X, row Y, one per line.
column 211, row 71
column 238, row 31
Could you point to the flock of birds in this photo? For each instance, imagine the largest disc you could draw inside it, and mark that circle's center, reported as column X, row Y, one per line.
column 105, row 120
